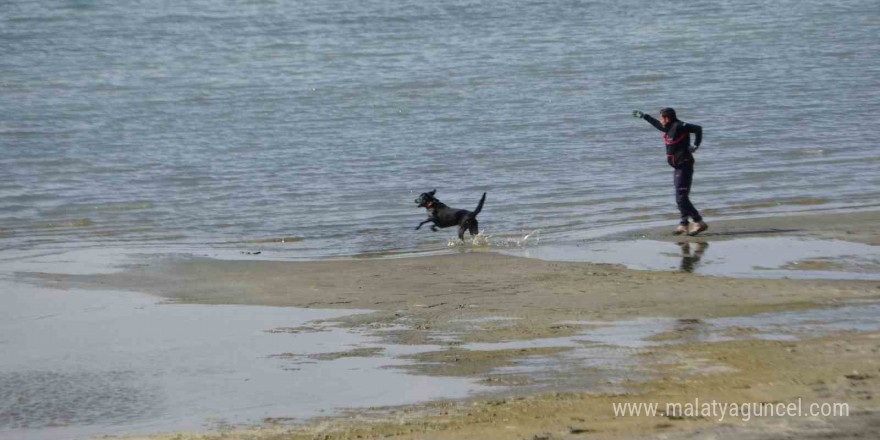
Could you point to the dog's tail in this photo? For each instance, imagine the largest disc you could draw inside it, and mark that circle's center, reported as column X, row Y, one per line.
column 479, row 206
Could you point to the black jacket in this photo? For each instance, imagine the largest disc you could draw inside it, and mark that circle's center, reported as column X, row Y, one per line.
column 677, row 136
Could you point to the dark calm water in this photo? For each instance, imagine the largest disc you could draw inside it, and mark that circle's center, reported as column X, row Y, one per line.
column 226, row 122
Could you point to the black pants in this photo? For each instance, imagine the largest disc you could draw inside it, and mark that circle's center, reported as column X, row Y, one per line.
column 682, row 181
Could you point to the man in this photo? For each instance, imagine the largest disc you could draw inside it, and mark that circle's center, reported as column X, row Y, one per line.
column 679, row 155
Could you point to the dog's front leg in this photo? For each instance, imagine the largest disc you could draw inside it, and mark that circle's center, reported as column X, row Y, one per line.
column 422, row 223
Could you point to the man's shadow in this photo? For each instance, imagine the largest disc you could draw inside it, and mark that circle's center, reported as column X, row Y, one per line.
column 689, row 261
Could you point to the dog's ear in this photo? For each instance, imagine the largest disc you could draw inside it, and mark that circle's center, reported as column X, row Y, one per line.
column 432, row 192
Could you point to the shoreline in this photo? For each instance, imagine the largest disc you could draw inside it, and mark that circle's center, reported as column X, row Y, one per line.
column 823, row 224
column 849, row 226
column 466, row 281
column 471, row 304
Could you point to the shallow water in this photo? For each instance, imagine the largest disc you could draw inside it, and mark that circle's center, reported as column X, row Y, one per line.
column 234, row 124
column 765, row 257
column 75, row 364
column 605, row 354
column 79, row 363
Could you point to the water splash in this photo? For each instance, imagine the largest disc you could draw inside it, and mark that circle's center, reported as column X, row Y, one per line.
column 491, row 241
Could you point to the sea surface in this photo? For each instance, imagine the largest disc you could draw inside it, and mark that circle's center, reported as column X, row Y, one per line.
column 307, row 128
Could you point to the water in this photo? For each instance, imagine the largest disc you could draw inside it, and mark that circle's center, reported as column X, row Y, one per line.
column 765, row 257
column 226, row 123
column 89, row 364
column 78, row 364
column 605, row 355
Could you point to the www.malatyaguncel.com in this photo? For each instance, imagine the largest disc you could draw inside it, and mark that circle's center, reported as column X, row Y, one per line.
column 720, row 410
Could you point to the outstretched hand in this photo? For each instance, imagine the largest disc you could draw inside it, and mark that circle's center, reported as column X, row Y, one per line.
column 638, row 114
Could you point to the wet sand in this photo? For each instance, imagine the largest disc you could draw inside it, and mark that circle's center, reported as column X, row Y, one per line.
column 480, row 297
column 769, row 372
column 855, row 227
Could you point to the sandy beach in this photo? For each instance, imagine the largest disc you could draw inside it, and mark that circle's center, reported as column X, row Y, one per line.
column 472, row 303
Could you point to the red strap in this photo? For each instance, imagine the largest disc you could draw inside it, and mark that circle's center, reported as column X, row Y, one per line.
column 680, row 138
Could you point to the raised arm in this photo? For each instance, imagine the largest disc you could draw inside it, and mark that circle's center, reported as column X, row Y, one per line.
column 653, row 122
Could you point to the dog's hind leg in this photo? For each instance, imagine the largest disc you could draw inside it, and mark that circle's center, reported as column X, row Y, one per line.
column 461, row 230
column 473, row 227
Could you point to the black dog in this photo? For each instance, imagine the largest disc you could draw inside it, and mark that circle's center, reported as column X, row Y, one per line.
column 444, row 216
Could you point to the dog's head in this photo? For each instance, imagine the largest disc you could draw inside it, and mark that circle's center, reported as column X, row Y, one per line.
column 427, row 199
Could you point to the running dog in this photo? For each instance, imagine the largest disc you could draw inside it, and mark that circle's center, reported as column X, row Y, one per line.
column 443, row 216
